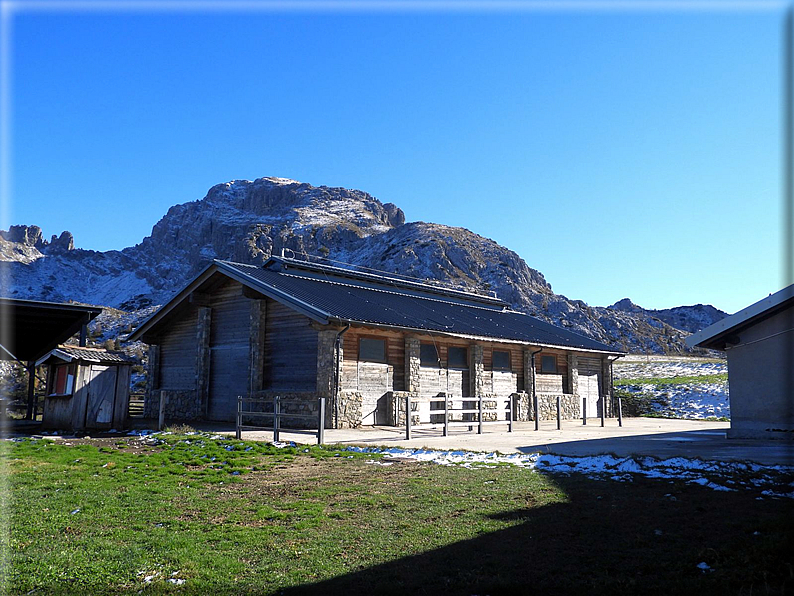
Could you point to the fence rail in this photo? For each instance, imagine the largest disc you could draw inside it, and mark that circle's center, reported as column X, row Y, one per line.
column 135, row 407
column 278, row 415
column 446, row 411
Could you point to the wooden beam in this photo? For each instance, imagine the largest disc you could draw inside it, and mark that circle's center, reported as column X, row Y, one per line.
column 203, row 328
column 30, row 414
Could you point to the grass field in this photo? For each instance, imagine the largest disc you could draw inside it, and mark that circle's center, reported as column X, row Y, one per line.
column 196, row 515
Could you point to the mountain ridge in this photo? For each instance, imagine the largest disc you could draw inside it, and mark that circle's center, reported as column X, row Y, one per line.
column 247, row 221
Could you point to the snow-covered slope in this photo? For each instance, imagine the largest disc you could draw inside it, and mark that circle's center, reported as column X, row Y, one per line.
column 247, row 221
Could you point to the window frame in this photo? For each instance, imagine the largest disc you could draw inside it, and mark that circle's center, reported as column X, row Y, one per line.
column 436, row 363
column 465, row 365
column 385, row 343
column 507, row 368
column 68, row 380
column 543, row 360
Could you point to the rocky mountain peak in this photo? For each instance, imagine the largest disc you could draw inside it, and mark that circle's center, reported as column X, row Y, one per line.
column 247, row 221
column 625, row 305
column 61, row 244
column 27, row 235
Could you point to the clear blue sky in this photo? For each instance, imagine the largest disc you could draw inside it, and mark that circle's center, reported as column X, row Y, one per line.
column 621, row 153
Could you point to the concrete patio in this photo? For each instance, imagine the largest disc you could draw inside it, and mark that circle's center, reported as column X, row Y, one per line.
column 662, row 438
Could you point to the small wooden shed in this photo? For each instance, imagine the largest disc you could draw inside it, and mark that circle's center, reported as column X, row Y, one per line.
column 87, row 388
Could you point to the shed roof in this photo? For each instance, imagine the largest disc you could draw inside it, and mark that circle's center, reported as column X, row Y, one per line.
column 720, row 334
column 75, row 353
column 32, row 328
column 334, row 295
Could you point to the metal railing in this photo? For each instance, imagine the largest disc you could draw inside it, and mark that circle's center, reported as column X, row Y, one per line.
column 616, row 401
column 446, row 411
column 278, row 415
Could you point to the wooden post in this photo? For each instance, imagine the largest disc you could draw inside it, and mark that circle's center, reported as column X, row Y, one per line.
column 446, row 414
column 620, row 411
column 203, row 355
column 161, row 418
column 407, row 417
column 276, row 412
column 31, row 411
column 321, row 422
column 83, row 341
column 559, row 421
column 584, row 410
column 479, row 422
column 239, row 431
column 510, row 414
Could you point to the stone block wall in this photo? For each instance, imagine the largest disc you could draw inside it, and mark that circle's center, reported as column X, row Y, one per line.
column 349, row 412
column 476, row 370
column 412, row 364
column 570, row 406
column 179, row 405
column 395, row 407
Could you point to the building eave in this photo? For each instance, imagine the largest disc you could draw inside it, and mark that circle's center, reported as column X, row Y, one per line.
column 715, row 336
column 219, row 266
column 482, row 338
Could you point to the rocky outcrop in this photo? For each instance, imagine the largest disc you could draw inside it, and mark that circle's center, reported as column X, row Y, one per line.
column 686, row 318
column 247, row 221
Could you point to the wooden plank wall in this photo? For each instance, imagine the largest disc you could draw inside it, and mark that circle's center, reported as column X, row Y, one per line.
column 454, row 381
column 178, row 350
column 229, row 351
column 290, row 350
column 373, row 376
column 373, row 379
column 551, row 383
column 503, row 382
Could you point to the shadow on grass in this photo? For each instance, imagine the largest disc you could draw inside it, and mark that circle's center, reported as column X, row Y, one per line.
column 644, row 536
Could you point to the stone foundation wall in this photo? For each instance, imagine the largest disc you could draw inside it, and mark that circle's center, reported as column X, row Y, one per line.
column 570, row 406
column 179, row 405
column 349, row 412
column 395, row 407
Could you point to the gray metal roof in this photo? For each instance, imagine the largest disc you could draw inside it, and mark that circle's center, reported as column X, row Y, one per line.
column 329, row 294
column 73, row 353
column 714, row 336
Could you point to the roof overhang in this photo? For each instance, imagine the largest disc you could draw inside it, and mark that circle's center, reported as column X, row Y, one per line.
column 31, row 328
column 220, row 267
column 325, row 318
column 720, row 334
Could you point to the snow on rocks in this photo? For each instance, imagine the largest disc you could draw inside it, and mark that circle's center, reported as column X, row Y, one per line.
column 716, row 475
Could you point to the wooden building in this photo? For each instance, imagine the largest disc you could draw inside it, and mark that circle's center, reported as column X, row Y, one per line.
column 31, row 328
column 87, row 389
column 365, row 341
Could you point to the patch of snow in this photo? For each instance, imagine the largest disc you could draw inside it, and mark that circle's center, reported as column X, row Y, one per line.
column 704, row 473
